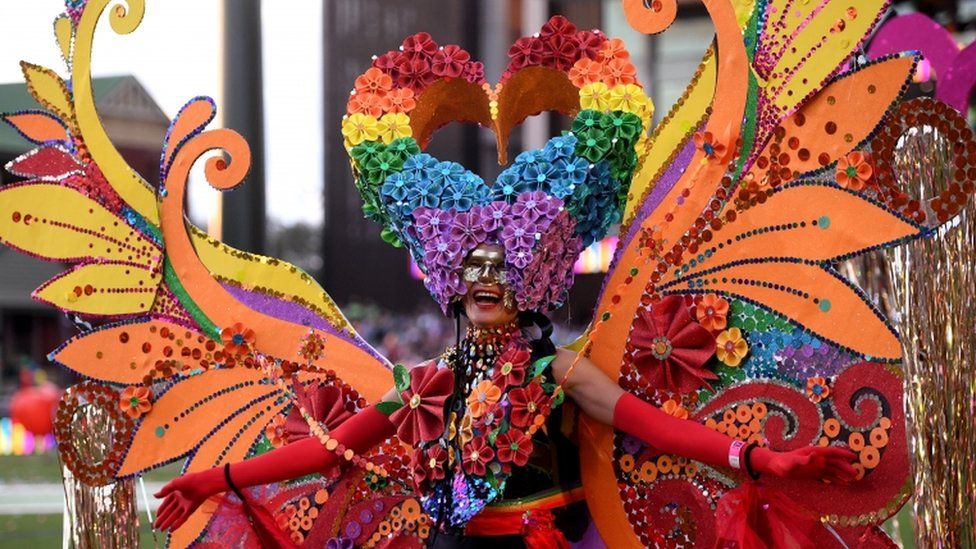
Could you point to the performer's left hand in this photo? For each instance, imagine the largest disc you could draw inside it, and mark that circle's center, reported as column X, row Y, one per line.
column 829, row 463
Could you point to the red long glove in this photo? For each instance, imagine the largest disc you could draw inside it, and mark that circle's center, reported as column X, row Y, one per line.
column 184, row 494
column 693, row 440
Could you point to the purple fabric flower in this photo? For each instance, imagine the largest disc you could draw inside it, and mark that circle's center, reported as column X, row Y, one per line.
column 467, row 230
column 431, row 223
column 520, row 258
column 535, row 205
column 441, row 252
column 548, row 275
column 519, row 234
column 494, row 216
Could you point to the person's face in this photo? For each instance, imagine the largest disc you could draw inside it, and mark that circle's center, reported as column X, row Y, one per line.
column 485, row 303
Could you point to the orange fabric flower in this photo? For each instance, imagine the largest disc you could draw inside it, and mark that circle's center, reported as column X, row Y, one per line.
column 706, row 143
column 711, row 312
column 817, row 389
column 619, row 71
column 614, row 49
column 366, row 103
column 672, row 408
column 482, row 397
column 399, row 100
column 276, row 432
column 135, row 401
column 374, row 80
column 854, row 171
column 585, row 71
column 237, row 339
column 731, row 347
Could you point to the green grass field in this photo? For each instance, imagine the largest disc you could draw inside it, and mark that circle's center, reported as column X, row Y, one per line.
column 44, row 532
column 45, row 468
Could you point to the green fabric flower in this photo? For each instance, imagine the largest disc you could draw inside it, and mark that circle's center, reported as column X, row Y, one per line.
column 593, row 144
column 587, row 120
column 364, row 151
column 404, row 148
column 380, row 165
column 622, row 125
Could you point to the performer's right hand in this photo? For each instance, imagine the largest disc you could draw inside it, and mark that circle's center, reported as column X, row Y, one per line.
column 183, row 495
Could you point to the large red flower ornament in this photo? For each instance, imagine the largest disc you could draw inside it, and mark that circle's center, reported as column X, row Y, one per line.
column 422, row 416
column 670, row 348
column 323, row 402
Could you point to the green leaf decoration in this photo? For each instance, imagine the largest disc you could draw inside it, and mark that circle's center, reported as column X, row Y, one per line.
column 540, row 366
column 559, row 398
column 401, row 378
column 387, row 407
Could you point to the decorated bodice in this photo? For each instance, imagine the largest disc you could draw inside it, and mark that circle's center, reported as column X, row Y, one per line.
column 492, row 432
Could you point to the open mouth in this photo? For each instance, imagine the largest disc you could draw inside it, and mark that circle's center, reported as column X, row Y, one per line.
column 487, row 297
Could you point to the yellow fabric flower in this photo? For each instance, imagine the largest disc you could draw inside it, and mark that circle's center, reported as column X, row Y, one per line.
column 595, row 96
column 360, row 127
column 630, row 98
column 731, row 347
column 394, row 125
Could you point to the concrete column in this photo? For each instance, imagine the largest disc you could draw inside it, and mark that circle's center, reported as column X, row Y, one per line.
column 243, row 111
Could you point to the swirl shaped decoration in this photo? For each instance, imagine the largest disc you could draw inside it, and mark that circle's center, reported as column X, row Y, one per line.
column 198, row 334
column 784, row 172
column 723, row 304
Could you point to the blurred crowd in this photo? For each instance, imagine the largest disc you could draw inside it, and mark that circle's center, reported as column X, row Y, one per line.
column 409, row 338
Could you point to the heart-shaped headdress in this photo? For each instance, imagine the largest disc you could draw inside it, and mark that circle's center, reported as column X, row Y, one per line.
column 544, row 208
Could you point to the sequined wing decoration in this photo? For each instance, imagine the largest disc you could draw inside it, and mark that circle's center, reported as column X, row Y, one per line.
column 197, row 344
column 724, row 303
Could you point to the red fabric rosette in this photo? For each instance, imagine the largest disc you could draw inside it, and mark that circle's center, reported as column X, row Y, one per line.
column 671, row 349
column 422, row 416
column 322, row 402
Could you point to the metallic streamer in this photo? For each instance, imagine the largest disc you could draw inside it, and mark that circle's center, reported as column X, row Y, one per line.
column 97, row 516
column 933, row 282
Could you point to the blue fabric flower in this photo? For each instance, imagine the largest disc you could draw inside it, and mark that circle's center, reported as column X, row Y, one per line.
column 537, row 175
column 426, row 193
column 509, row 184
column 417, row 165
column 559, row 147
column 394, row 188
column 446, row 173
column 464, row 193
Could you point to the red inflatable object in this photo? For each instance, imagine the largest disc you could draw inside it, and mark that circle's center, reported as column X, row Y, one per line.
column 34, row 407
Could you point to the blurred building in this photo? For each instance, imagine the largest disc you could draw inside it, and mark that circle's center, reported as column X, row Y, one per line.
column 360, row 266
column 28, row 329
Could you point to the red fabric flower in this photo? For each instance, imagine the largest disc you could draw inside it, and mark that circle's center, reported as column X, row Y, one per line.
column 557, row 26
column 414, row 74
column 510, row 367
column 527, row 402
column 450, row 61
column 428, row 465
column 562, row 51
column 420, row 43
column 525, row 52
column 671, row 349
column 474, row 72
column 389, row 62
column 590, row 42
column 514, row 446
column 422, row 416
column 323, row 402
column 476, row 455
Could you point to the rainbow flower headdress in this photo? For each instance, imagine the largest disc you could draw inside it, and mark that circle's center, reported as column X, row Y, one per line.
column 546, row 206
